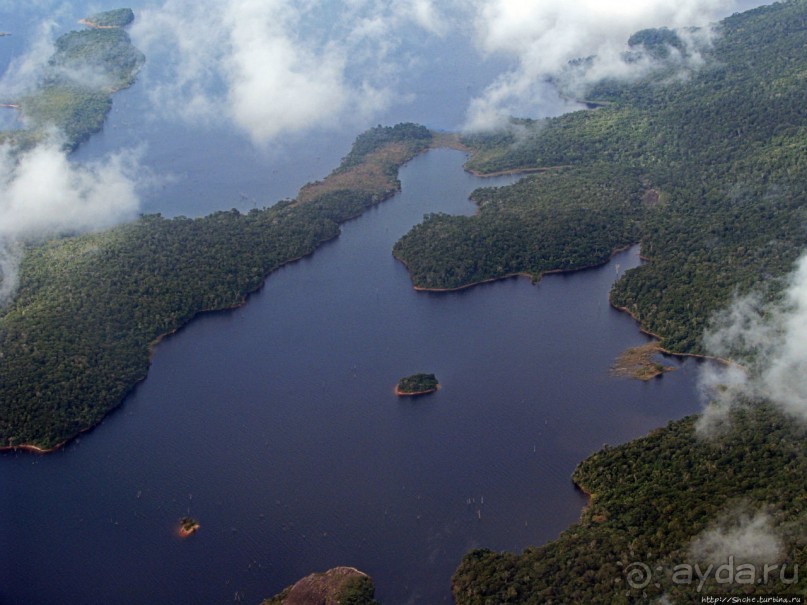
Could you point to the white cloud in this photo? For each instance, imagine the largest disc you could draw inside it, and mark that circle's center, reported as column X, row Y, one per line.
column 543, row 37
column 785, row 374
column 744, row 536
column 276, row 67
column 277, row 85
column 424, row 14
column 43, row 194
column 279, row 66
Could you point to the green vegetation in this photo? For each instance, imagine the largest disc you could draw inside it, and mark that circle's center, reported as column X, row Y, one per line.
column 76, row 337
column 77, row 111
column 371, row 168
column 417, row 384
column 106, row 56
column 718, row 159
column 75, row 92
column 381, row 136
column 561, row 219
column 651, row 497
column 120, row 17
column 358, row 591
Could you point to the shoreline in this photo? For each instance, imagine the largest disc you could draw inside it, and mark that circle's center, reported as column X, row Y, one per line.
column 29, row 447
column 589, row 495
column 451, row 140
column 613, row 253
column 662, row 350
column 34, row 449
column 401, row 393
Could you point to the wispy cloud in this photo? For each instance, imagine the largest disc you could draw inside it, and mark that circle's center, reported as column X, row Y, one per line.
column 43, row 193
column 543, row 37
column 25, row 72
column 746, row 536
column 278, row 67
column 769, row 339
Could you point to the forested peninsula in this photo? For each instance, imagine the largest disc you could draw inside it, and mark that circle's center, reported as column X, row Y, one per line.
column 77, row 336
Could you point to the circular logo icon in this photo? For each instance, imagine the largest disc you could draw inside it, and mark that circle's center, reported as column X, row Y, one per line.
column 638, row 575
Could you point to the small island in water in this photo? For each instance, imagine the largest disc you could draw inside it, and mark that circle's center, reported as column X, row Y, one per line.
column 188, row 526
column 417, row 384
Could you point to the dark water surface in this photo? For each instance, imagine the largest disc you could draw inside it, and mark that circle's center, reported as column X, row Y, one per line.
column 276, row 426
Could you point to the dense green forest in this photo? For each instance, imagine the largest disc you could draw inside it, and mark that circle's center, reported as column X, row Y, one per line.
column 652, row 496
column 119, row 17
column 530, row 227
column 74, row 93
column 76, row 337
column 417, row 384
column 718, row 155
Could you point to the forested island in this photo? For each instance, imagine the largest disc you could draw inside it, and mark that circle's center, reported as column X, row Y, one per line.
column 188, row 526
column 66, row 97
column 417, row 384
